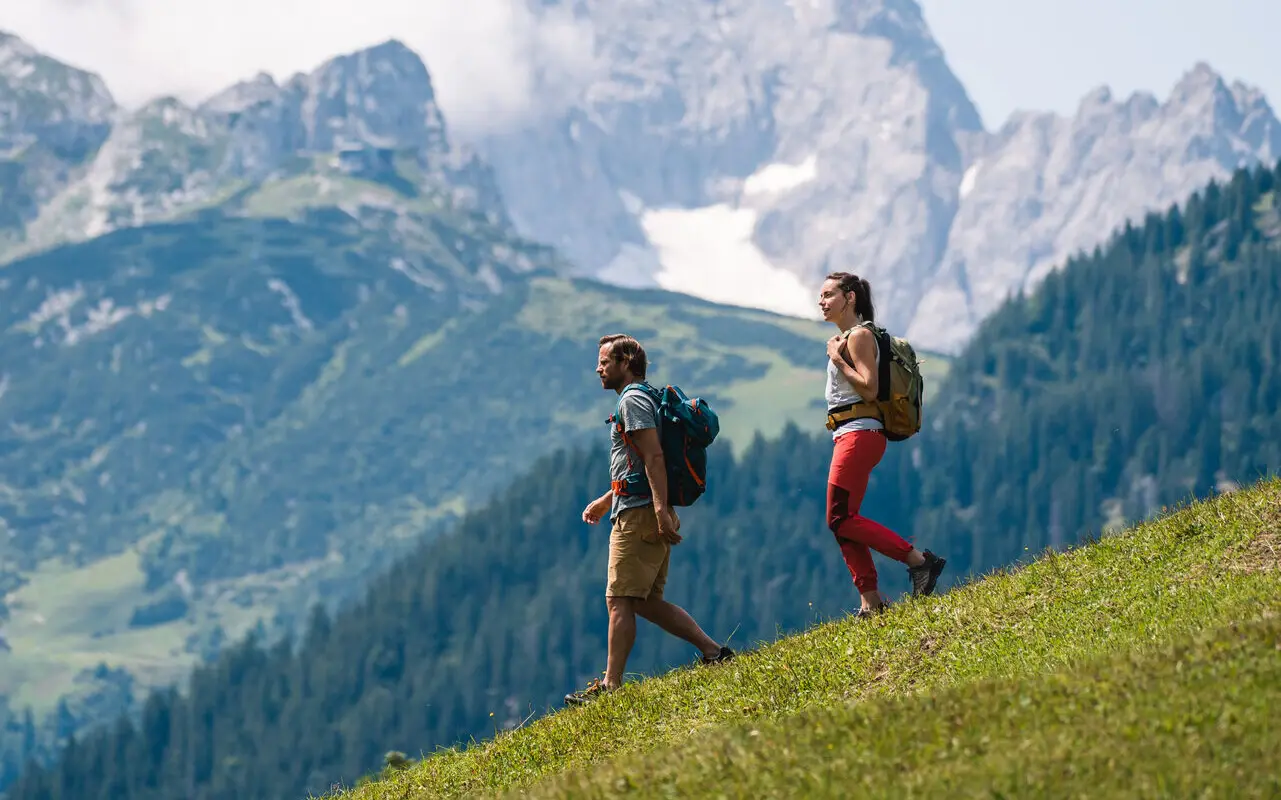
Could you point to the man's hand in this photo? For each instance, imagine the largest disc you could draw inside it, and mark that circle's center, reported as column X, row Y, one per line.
column 597, row 508
column 668, row 525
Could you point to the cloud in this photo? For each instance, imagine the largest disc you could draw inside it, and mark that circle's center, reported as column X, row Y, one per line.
column 494, row 63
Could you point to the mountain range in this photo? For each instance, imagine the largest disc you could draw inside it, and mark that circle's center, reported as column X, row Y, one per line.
column 698, row 156
column 708, row 156
column 79, row 166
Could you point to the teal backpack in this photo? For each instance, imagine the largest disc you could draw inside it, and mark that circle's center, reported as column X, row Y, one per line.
column 686, row 427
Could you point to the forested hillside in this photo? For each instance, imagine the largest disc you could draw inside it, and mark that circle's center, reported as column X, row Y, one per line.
column 1140, row 374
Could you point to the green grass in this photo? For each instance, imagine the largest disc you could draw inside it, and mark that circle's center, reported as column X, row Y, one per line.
column 1143, row 664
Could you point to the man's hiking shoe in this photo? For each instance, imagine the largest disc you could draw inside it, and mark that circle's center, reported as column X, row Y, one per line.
column 594, row 689
column 724, row 655
column 925, row 576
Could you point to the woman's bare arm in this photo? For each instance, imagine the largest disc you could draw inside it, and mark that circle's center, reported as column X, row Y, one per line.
column 860, row 369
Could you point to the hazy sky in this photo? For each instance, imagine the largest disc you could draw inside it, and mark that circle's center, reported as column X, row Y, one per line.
column 1045, row 54
column 1010, row 54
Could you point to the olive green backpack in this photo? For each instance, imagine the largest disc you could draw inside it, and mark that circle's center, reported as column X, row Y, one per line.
column 900, row 388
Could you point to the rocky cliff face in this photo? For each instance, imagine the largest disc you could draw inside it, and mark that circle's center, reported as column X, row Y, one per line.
column 740, row 151
column 52, row 119
column 1046, row 187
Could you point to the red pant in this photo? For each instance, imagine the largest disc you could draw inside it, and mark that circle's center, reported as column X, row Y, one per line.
column 854, row 455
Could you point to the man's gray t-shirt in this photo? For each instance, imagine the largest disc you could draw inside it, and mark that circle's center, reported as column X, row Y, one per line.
column 637, row 410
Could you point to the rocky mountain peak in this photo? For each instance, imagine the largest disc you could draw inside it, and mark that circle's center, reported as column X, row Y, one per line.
column 1202, row 93
column 892, row 19
column 1249, row 98
column 53, row 119
column 13, row 46
column 381, row 96
column 1049, row 187
column 370, row 115
column 899, row 22
column 243, row 95
column 67, row 110
column 1196, row 85
column 1238, row 114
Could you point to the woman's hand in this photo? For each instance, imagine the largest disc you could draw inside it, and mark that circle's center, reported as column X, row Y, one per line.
column 834, row 347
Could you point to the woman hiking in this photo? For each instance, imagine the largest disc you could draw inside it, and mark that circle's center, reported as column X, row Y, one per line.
column 853, row 356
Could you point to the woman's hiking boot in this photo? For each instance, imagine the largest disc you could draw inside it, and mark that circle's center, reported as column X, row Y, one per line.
column 868, row 613
column 724, row 655
column 925, row 576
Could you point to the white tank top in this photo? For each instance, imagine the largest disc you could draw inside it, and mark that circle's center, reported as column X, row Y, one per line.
column 840, row 393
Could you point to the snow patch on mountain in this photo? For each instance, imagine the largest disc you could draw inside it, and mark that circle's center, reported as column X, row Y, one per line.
column 778, row 178
column 710, row 252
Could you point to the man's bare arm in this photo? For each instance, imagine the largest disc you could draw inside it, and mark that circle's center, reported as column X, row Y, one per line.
column 597, row 508
column 651, row 453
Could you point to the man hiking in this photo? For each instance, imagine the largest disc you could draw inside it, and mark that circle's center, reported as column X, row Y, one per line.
column 645, row 526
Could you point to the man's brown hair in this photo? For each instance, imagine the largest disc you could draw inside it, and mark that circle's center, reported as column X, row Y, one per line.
column 628, row 352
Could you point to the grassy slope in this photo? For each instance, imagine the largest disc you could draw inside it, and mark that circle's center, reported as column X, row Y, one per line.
column 1144, row 663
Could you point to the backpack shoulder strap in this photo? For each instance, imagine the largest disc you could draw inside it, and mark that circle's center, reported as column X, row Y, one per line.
column 640, row 386
column 884, row 356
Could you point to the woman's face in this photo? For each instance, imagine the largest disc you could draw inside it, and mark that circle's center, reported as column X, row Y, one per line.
column 831, row 300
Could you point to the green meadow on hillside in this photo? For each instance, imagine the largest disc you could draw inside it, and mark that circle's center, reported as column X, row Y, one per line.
column 1141, row 664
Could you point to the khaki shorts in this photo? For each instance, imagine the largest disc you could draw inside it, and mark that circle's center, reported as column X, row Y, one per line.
column 637, row 556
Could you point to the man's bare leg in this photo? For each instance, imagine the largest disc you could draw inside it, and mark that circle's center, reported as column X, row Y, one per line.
column 622, row 635
column 676, row 621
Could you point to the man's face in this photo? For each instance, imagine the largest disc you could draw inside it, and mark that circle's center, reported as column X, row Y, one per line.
column 609, row 370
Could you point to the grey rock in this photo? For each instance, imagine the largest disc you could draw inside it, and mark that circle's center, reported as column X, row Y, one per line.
column 695, row 98
column 1046, row 188
column 898, row 179
column 53, row 118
